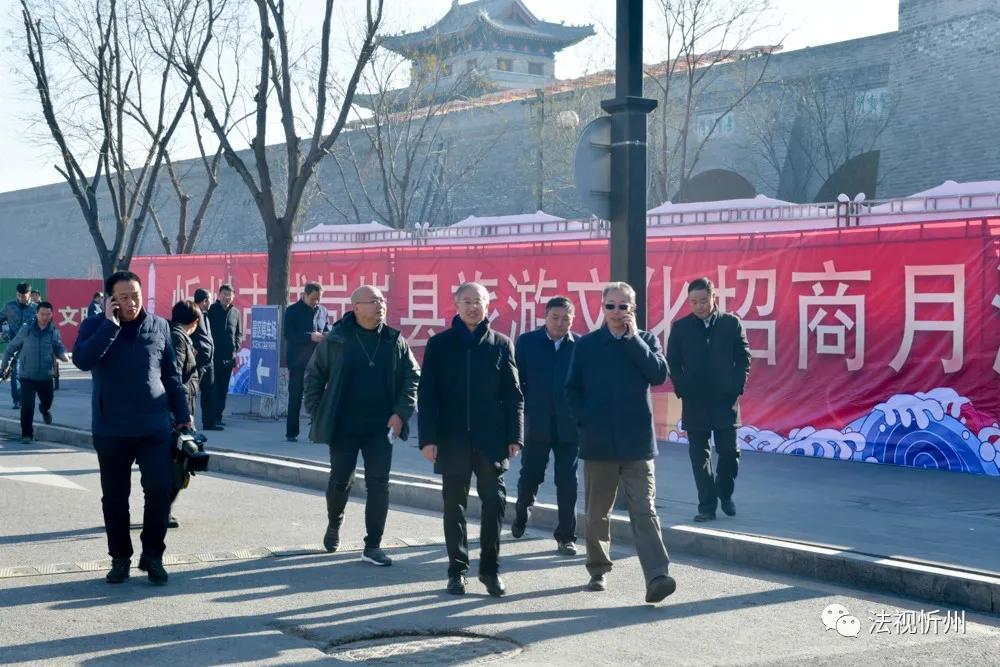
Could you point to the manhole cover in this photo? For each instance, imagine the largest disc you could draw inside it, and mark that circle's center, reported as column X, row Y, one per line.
column 424, row 649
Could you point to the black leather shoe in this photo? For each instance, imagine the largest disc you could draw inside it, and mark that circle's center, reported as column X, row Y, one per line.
column 119, row 570
column 702, row 517
column 331, row 538
column 729, row 507
column 659, row 588
column 598, row 582
column 520, row 521
column 494, row 584
column 47, row 417
column 172, row 522
column 456, row 584
column 153, row 567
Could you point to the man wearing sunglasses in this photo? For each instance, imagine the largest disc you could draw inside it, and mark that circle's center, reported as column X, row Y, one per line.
column 608, row 389
column 709, row 359
column 471, row 412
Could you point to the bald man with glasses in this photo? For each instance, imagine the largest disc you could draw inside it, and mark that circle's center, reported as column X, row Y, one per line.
column 608, row 389
column 360, row 389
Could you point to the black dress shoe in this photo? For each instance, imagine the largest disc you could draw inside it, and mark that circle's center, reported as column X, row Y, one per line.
column 331, row 538
column 520, row 523
column 729, row 507
column 172, row 522
column 119, row 570
column 702, row 517
column 494, row 584
column 153, row 567
column 659, row 588
column 598, row 582
column 456, row 584
column 47, row 417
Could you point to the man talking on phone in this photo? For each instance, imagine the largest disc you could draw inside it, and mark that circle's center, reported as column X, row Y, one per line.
column 608, row 390
column 136, row 391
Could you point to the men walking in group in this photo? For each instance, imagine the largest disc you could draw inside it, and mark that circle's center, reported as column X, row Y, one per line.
column 136, row 391
column 471, row 421
column 609, row 393
column 305, row 324
column 709, row 359
column 205, row 353
column 16, row 313
column 227, row 334
column 38, row 344
column 360, row 388
column 543, row 358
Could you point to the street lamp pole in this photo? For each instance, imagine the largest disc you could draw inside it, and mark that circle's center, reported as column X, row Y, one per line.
column 628, row 156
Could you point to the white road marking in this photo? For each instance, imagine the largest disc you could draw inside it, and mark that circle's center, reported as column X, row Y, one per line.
column 37, row 475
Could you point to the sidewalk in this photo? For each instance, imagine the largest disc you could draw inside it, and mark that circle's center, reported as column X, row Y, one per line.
column 919, row 516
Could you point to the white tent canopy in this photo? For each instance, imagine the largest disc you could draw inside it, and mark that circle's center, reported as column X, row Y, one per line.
column 760, row 201
column 519, row 218
column 359, row 228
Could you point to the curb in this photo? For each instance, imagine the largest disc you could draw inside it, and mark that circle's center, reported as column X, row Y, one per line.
column 970, row 589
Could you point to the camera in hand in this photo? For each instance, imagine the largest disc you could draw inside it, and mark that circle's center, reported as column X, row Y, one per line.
column 189, row 451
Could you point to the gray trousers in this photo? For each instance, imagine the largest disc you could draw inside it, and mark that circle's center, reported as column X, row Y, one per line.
column 638, row 480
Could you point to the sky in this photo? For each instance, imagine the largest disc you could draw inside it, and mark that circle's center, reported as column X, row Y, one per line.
column 26, row 158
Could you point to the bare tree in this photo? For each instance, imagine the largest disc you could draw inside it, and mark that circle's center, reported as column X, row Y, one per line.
column 90, row 65
column 280, row 80
column 396, row 156
column 803, row 131
column 698, row 38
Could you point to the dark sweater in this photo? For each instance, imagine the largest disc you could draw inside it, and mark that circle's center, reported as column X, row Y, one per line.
column 136, row 385
column 365, row 405
column 608, row 392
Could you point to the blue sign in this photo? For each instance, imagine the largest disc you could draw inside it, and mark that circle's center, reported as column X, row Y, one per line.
column 264, row 346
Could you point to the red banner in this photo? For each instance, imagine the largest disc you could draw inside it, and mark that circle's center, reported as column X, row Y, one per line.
column 70, row 300
column 873, row 344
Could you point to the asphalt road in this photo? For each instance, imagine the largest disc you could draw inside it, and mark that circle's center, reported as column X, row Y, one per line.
column 233, row 601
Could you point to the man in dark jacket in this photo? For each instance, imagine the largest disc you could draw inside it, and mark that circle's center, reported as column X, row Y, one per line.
column 608, row 390
column 96, row 306
column 542, row 365
column 709, row 359
column 305, row 324
column 37, row 345
column 136, row 390
column 226, row 325
column 204, row 348
column 470, row 415
column 16, row 314
column 361, row 380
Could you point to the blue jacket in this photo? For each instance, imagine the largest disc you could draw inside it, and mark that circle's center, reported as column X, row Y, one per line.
column 608, row 392
column 14, row 316
column 136, row 384
column 38, row 348
column 543, row 370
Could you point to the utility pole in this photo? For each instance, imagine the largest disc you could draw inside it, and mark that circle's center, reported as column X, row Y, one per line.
column 628, row 156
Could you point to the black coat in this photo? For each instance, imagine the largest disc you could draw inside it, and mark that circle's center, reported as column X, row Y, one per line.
column 299, row 325
column 469, row 397
column 204, row 348
column 186, row 362
column 608, row 391
column 709, row 369
column 543, row 370
column 227, row 331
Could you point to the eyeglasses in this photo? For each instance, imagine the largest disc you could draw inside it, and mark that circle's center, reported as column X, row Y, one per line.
column 619, row 306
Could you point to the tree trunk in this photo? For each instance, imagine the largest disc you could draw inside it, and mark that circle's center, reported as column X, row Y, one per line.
column 279, row 262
